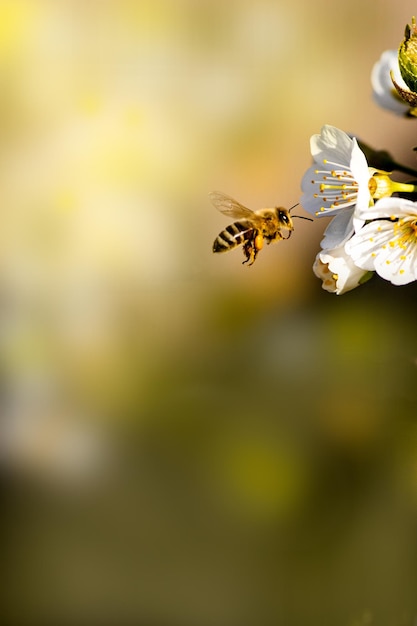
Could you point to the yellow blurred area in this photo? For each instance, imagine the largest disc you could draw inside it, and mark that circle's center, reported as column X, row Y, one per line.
column 185, row 440
column 15, row 23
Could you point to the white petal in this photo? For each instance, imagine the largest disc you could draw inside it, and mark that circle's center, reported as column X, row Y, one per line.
column 364, row 246
column 361, row 173
column 337, row 271
column 375, row 247
column 332, row 144
column 383, row 90
column 339, row 230
column 308, row 201
column 397, row 265
column 387, row 207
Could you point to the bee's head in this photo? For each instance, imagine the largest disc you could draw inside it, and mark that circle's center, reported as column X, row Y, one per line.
column 284, row 218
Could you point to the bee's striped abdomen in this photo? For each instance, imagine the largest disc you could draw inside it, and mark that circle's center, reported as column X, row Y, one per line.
column 233, row 235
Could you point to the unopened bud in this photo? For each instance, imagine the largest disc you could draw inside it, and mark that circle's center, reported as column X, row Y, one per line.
column 407, row 56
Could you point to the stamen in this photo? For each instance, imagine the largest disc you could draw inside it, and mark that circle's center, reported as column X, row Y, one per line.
column 339, row 175
column 338, row 165
column 337, row 187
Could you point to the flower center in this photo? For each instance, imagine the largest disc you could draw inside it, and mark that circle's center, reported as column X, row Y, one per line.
column 337, row 187
column 405, row 230
column 409, row 228
column 379, row 186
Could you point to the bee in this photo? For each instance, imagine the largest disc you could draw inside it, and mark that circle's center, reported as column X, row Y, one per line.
column 252, row 228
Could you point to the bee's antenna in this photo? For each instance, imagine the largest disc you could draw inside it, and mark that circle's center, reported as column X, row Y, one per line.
column 303, row 218
column 300, row 216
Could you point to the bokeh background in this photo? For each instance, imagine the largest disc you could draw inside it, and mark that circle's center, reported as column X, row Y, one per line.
column 186, row 440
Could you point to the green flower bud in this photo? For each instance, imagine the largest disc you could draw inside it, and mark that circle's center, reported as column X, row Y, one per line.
column 407, row 56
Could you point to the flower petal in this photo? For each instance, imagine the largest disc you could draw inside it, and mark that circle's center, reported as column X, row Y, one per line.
column 331, row 144
column 386, row 208
column 381, row 246
column 332, row 186
column 361, row 173
column 339, row 230
column 308, row 201
column 384, row 92
column 337, row 271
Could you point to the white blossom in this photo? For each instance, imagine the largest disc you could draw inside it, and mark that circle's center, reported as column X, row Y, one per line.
column 337, row 271
column 339, row 180
column 388, row 243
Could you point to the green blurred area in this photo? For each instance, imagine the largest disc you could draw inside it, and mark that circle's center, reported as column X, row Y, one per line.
column 186, row 440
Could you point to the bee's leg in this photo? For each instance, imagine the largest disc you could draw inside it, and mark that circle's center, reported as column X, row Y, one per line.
column 252, row 247
column 276, row 237
column 249, row 252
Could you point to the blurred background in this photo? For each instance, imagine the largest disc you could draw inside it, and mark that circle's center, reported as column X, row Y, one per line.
column 186, row 440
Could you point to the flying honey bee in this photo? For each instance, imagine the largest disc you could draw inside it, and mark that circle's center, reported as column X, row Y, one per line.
column 252, row 228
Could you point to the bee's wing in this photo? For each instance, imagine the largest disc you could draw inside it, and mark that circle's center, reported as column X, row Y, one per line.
column 228, row 206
